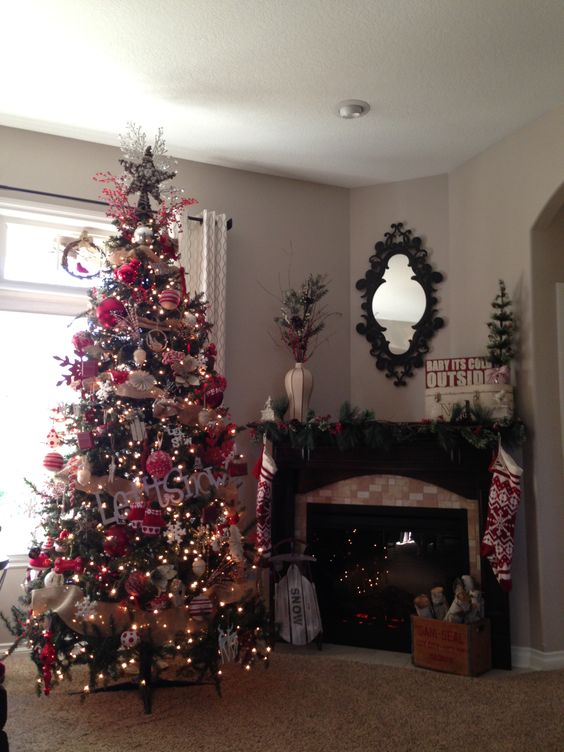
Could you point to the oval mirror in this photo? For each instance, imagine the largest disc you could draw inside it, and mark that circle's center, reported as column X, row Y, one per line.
column 399, row 303
column 400, row 315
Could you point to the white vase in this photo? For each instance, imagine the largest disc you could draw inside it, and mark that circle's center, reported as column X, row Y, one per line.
column 299, row 384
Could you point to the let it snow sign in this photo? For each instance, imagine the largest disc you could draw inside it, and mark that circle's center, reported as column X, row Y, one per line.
column 450, row 372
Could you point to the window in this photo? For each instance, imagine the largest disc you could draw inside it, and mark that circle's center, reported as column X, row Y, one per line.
column 38, row 305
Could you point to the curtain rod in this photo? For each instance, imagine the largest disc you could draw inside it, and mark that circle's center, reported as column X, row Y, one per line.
column 84, row 200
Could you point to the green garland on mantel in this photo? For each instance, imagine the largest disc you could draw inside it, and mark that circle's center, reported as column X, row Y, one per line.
column 358, row 428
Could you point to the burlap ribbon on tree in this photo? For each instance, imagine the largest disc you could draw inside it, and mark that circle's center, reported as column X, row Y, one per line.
column 67, row 602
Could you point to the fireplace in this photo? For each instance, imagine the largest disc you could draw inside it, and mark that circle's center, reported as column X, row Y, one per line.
column 414, row 517
column 374, row 560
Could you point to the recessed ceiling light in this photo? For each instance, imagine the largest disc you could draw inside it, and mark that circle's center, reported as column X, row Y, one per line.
column 353, row 108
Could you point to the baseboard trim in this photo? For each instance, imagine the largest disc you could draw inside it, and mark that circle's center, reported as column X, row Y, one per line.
column 536, row 660
column 5, row 646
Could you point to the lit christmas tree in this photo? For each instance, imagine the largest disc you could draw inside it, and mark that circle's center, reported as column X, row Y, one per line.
column 143, row 565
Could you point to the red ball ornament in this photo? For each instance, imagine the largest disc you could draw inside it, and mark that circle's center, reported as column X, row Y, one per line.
column 53, row 462
column 159, row 464
column 136, row 584
column 117, row 541
column 108, row 311
column 80, row 341
column 169, row 299
column 214, row 397
column 129, row 273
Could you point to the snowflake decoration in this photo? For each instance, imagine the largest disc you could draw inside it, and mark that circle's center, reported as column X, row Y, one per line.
column 174, row 532
column 85, row 609
column 105, row 391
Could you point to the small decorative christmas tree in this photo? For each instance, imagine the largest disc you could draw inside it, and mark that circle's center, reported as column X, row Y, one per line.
column 500, row 338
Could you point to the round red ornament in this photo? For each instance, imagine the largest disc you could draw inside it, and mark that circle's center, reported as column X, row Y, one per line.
column 108, row 311
column 214, row 396
column 159, row 464
column 169, row 299
column 117, row 541
column 136, row 584
column 80, row 341
column 53, row 462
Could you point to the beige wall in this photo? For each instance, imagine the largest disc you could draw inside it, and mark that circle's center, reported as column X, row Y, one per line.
column 478, row 224
column 495, row 201
column 422, row 205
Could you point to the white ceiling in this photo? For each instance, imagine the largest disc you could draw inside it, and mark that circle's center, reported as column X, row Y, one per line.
column 255, row 84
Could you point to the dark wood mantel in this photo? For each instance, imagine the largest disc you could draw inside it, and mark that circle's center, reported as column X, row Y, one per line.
column 463, row 471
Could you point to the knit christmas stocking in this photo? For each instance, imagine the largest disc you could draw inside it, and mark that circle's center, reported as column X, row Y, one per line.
column 264, row 472
column 504, row 497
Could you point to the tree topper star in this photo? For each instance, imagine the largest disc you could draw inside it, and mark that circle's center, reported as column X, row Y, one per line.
column 146, row 178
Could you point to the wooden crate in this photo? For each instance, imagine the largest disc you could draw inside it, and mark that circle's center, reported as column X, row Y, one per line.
column 463, row 649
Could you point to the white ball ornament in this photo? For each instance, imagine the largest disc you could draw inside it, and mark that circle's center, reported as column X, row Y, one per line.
column 139, row 356
column 143, row 234
column 52, row 579
column 205, row 417
column 190, row 320
column 198, row 566
column 130, row 639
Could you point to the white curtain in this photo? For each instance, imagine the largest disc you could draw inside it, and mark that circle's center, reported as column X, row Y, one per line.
column 204, row 257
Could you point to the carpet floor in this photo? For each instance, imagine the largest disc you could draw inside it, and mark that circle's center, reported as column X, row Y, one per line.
column 302, row 703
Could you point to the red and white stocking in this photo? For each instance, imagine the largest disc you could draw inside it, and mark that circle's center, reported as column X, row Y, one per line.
column 264, row 472
column 504, row 497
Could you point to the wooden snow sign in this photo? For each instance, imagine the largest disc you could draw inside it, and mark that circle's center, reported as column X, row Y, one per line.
column 296, row 608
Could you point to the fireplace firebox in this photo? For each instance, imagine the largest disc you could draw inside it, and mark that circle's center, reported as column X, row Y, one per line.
column 423, row 548
column 373, row 561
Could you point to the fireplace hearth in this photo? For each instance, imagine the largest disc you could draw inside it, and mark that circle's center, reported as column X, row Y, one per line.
column 416, row 504
column 373, row 561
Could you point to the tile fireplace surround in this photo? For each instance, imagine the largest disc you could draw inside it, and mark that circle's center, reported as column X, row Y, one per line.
column 393, row 491
column 417, row 475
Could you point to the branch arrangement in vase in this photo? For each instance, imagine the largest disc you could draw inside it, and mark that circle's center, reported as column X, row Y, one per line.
column 302, row 317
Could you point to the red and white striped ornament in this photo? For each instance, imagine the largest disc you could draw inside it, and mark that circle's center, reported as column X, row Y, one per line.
column 200, row 605
column 169, row 299
column 53, row 462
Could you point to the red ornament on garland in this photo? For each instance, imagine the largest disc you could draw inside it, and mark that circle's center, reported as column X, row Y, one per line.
column 169, row 299
column 108, row 311
column 53, row 462
column 159, row 464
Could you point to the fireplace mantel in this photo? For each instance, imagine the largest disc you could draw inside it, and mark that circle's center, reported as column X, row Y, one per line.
column 463, row 472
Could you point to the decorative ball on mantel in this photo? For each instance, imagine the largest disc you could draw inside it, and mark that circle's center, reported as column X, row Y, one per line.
column 169, row 299
column 54, row 462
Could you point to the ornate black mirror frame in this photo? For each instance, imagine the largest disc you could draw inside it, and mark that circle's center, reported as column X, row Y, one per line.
column 399, row 366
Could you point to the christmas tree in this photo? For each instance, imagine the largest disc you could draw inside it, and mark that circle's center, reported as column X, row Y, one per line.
column 143, row 567
column 500, row 337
